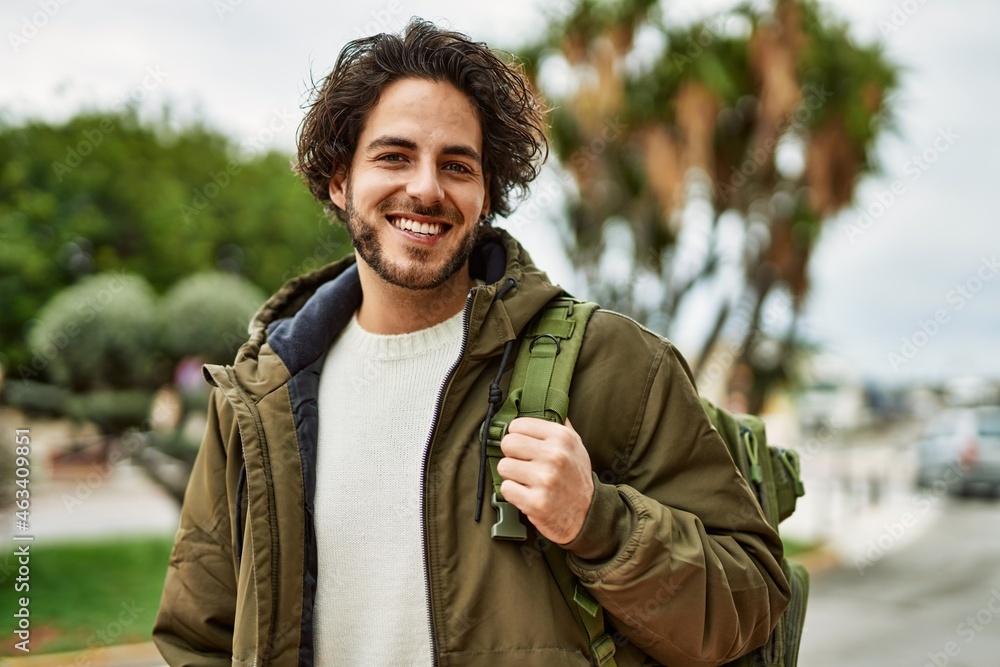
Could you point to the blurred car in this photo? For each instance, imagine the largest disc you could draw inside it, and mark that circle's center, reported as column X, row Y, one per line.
column 961, row 450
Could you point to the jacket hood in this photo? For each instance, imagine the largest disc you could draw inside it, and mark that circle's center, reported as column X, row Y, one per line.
column 297, row 325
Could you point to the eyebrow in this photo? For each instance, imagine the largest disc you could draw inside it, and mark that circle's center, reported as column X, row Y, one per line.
column 458, row 150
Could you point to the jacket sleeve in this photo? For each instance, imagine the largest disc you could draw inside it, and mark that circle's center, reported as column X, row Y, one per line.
column 678, row 551
column 195, row 622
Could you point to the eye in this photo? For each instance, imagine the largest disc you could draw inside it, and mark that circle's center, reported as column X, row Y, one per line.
column 391, row 157
column 458, row 167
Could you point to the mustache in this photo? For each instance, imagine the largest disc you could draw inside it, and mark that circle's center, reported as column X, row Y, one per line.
column 439, row 210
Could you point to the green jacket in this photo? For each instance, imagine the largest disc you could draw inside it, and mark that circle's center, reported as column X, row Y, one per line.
column 674, row 545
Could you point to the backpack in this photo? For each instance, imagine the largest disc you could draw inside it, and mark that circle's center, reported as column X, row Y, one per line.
column 539, row 387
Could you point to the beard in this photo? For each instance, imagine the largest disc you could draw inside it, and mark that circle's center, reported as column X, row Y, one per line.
column 419, row 274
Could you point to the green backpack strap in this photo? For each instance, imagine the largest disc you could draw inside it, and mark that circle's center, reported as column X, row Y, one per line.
column 539, row 387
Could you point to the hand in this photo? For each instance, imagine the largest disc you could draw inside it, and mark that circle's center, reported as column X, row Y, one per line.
column 547, row 475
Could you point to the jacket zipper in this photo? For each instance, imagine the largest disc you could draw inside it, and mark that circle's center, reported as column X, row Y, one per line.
column 423, row 469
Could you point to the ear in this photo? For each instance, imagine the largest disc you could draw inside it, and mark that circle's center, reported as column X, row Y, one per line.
column 338, row 188
column 486, row 199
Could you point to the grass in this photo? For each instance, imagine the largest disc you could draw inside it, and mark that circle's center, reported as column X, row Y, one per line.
column 88, row 594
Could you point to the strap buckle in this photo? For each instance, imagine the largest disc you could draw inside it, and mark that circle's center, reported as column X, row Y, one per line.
column 508, row 525
column 602, row 650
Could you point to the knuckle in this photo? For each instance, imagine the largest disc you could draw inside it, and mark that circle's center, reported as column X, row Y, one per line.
column 560, row 458
column 534, row 507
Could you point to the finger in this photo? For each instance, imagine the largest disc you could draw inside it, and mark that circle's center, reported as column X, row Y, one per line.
column 519, row 446
column 525, row 473
column 517, row 495
column 534, row 427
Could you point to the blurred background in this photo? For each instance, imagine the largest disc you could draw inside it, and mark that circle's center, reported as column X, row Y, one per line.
column 792, row 191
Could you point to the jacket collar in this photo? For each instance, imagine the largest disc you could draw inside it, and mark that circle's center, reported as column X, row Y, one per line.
column 296, row 326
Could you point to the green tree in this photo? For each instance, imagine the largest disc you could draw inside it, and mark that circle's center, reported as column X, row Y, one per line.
column 106, row 192
column 720, row 149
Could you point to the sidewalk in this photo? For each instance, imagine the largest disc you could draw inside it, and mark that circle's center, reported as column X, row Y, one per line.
column 89, row 499
column 124, row 655
column 95, row 501
column 860, row 501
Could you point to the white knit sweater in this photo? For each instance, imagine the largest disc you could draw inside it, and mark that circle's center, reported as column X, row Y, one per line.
column 376, row 402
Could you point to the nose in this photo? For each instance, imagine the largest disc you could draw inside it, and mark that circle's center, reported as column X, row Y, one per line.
column 424, row 186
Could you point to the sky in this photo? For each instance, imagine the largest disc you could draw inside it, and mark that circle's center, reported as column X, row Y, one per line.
column 905, row 285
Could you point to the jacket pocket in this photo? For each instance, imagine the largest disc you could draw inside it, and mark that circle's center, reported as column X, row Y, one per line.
column 245, row 630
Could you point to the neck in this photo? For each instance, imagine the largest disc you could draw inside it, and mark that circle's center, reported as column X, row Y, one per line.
column 389, row 309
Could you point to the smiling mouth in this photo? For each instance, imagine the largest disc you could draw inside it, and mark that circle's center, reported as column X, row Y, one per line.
column 422, row 228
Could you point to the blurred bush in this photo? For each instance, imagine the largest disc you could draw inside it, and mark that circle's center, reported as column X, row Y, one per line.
column 113, row 411
column 37, row 398
column 206, row 315
column 99, row 334
column 108, row 191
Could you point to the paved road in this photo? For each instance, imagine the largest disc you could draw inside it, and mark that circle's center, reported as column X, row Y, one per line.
column 933, row 601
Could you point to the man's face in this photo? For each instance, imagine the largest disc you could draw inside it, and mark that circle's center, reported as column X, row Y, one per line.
column 416, row 188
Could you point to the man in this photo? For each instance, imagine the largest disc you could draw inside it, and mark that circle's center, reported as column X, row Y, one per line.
column 330, row 516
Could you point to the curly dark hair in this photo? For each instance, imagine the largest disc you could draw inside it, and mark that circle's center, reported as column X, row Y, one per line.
column 512, row 118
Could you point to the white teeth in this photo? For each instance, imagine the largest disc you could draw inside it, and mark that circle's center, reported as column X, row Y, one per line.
column 428, row 228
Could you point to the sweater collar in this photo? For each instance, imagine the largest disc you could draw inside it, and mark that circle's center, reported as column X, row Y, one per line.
column 393, row 347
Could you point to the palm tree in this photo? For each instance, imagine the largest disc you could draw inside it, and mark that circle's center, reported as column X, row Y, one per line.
column 721, row 147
